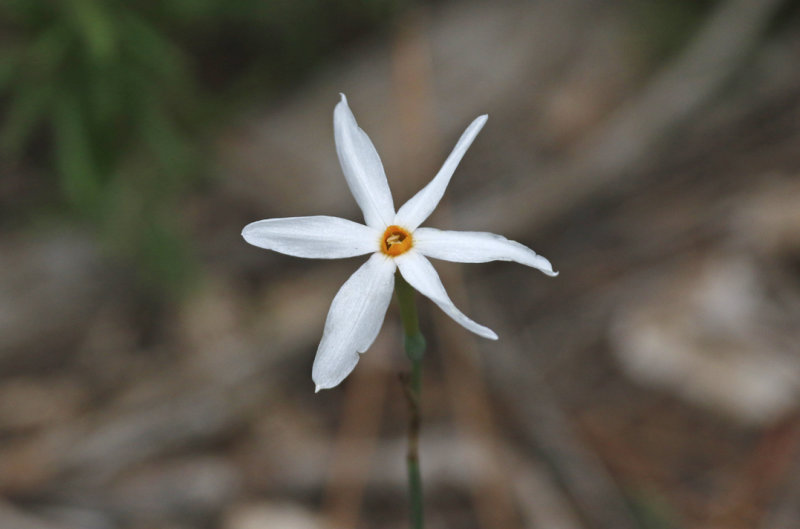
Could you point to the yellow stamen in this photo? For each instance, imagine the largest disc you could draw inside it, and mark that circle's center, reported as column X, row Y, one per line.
column 395, row 241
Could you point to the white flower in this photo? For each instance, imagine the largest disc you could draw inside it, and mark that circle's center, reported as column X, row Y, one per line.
column 395, row 240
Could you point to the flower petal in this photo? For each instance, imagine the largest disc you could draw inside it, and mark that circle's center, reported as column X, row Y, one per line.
column 354, row 319
column 420, row 274
column 317, row 237
column 476, row 247
column 420, row 206
column 362, row 168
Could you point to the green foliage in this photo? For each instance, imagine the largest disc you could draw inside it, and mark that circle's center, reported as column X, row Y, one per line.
column 104, row 89
column 110, row 97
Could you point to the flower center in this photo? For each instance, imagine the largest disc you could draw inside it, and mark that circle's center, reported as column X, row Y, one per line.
column 396, row 240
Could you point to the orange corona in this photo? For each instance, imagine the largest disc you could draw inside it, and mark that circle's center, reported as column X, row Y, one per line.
column 395, row 241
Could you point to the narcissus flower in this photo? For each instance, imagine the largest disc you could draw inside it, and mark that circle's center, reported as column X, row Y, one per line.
column 395, row 240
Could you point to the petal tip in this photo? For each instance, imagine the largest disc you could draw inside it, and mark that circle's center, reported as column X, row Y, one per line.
column 317, row 388
column 545, row 266
column 342, row 110
column 480, row 121
column 485, row 332
column 246, row 232
column 549, row 271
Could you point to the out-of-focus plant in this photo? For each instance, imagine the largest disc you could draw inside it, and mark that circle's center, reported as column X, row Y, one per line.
column 108, row 96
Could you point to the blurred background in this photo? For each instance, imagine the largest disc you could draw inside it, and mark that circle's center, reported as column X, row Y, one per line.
column 155, row 369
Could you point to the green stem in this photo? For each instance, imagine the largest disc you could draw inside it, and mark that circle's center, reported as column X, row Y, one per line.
column 414, row 344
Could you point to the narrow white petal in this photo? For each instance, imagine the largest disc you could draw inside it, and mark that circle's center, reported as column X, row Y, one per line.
column 317, row 237
column 362, row 168
column 476, row 247
column 354, row 319
column 420, row 274
column 420, row 206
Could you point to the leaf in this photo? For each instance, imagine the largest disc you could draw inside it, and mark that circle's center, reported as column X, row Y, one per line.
column 150, row 50
column 73, row 155
column 96, row 27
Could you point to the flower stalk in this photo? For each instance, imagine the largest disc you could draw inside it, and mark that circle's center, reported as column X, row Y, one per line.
column 414, row 344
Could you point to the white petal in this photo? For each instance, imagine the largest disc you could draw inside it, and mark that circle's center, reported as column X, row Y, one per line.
column 317, row 237
column 420, row 206
column 362, row 168
column 420, row 274
column 354, row 319
column 476, row 247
